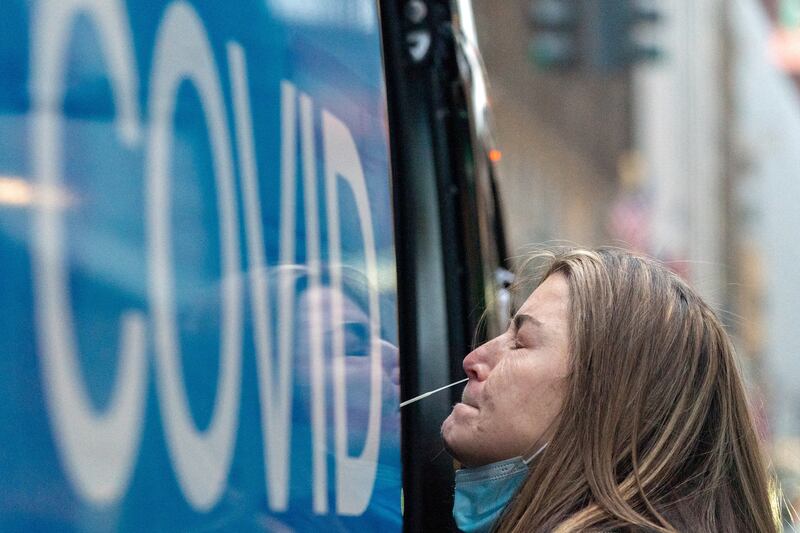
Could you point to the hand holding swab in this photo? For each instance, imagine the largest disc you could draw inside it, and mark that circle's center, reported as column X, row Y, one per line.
column 425, row 395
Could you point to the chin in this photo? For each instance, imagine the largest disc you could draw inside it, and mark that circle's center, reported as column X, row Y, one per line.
column 455, row 454
column 446, row 432
column 455, row 442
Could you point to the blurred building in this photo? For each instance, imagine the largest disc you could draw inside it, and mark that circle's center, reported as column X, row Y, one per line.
column 766, row 173
column 562, row 131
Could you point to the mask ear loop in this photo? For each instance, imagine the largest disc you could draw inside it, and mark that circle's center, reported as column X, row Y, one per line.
column 537, row 452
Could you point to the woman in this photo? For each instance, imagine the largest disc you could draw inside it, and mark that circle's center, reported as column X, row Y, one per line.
column 613, row 402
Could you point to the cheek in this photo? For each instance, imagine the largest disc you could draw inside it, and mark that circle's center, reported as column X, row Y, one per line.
column 550, row 401
column 518, row 403
column 525, row 397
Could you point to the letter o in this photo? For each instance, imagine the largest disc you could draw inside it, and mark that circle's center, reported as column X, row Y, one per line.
column 201, row 459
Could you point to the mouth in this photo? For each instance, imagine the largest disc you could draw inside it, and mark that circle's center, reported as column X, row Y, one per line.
column 468, row 400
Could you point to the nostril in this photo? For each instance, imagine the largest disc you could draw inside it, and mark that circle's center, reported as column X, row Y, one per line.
column 470, row 372
column 471, row 365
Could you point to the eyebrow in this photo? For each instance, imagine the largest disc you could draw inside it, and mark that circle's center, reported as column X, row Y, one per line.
column 521, row 319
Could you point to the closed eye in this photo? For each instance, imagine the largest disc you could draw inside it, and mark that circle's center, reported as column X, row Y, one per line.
column 521, row 326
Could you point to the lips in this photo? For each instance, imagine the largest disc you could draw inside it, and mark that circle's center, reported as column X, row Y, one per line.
column 467, row 396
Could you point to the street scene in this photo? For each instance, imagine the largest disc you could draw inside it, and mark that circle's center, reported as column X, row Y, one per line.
column 400, row 265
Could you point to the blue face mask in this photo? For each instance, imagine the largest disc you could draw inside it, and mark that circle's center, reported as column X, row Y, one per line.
column 482, row 493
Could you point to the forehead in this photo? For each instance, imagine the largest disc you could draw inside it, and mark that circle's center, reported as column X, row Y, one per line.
column 550, row 301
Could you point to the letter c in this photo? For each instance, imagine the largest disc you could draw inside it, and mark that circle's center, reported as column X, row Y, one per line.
column 98, row 450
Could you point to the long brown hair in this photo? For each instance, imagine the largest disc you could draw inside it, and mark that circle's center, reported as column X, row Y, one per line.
column 655, row 432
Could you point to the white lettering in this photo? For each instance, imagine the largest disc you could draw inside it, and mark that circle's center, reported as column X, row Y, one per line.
column 201, row 459
column 276, row 401
column 98, row 449
column 355, row 476
column 318, row 422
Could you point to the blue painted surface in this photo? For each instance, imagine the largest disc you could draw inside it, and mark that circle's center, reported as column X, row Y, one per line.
column 100, row 200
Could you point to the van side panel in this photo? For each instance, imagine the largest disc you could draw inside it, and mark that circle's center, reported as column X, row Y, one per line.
column 198, row 325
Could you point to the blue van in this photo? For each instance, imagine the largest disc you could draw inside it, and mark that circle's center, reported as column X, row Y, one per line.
column 233, row 237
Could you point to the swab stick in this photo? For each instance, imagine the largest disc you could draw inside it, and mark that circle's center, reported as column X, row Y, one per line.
column 425, row 395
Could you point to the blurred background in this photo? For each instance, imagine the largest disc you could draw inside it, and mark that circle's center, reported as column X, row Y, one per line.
column 673, row 128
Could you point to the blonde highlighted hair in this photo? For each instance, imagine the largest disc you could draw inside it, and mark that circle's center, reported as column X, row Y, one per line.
column 655, row 432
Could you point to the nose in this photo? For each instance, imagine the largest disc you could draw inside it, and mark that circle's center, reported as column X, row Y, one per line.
column 477, row 363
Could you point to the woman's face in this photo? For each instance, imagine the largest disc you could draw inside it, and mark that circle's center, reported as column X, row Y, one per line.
column 516, row 383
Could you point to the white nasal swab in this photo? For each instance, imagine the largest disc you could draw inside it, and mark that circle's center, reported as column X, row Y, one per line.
column 421, row 396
